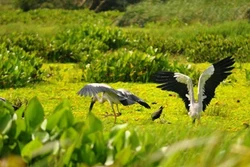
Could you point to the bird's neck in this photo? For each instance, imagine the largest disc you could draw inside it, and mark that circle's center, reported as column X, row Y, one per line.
column 100, row 99
column 191, row 93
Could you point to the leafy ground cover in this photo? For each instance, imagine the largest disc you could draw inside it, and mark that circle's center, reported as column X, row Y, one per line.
column 56, row 131
column 215, row 141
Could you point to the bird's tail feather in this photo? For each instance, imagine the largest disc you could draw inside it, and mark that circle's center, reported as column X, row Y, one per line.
column 125, row 102
column 144, row 104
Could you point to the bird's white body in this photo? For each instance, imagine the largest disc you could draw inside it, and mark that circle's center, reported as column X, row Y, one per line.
column 208, row 81
column 195, row 110
column 195, row 106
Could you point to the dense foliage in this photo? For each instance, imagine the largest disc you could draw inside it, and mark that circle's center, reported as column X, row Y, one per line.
column 184, row 12
column 108, row 53
column 18, row 67
column 97, row 5
column 60, row 140
column 174, row 32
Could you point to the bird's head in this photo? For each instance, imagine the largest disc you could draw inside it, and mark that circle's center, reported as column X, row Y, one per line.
column 93, row 100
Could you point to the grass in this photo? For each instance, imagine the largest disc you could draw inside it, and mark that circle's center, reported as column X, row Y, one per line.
column 212, row 143
column 221, row 139
column 229, row 110
column 184, row 12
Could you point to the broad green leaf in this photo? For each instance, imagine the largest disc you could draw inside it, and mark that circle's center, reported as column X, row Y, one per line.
column 68, row 137
column 5, row 122
column 62, row 116
column 117, row 137
column 124, row 156
column 118, row 128
column 99, row 145
column 68, row 154
column 43, row 136
column 95, row 124
column 20, row 112
column 44, row 124
column 20, row 126
column 30, row 150
column 68, row 142
column 1, row 143
column 34, row 114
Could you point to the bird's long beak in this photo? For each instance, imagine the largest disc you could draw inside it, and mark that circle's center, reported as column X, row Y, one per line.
column 91, row 105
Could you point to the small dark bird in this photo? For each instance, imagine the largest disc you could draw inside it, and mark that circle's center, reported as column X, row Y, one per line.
column 157, row 114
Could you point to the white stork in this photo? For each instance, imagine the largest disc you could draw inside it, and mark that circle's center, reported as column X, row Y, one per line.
column 208, row 81
column 119, row 96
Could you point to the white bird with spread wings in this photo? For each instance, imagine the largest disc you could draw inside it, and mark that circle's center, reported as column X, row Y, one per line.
column 208, row 81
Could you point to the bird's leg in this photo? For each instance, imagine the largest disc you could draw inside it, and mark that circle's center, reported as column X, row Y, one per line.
column 199, row 121
column 194, row 121
column 119, row 113
column 113, row 112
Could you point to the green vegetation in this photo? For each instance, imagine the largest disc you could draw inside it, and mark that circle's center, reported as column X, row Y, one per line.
column 18, row 68
column 48, row 55
column 222, row 126
column 182, row 12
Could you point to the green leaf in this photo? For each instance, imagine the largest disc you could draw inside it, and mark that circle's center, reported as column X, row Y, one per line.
column 1, row 143
column 20, row 126
column 34, row 114
column 124, row 156
column 62, row 116
column 68, row 141
column 30, row 150
column 95, row 124
column 5, row 122
column 68, row 137
column 42, row 136
column 20, row 112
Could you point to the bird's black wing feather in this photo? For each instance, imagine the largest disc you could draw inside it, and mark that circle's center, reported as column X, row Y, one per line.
column 128, row 98
column 170, row 83
column 222, row 70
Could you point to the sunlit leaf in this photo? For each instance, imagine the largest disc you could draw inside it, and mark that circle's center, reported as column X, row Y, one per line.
column 34, row 114
column 42, row 136
column 28, row 152
column 68, row 137
column 5, row 122
column 1, row 142
column 61, row 117
column 94, row 123
column 124, row 156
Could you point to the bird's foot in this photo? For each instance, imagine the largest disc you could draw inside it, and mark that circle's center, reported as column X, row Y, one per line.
column 162, row 121
column 109, row 114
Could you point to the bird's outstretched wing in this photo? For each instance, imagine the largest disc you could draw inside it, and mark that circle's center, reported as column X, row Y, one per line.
column 175, row 82
column 212, row 77
column 129, row 98
column 94, row 88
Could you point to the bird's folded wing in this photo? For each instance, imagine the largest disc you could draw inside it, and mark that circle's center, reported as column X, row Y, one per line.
column 127, row 98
